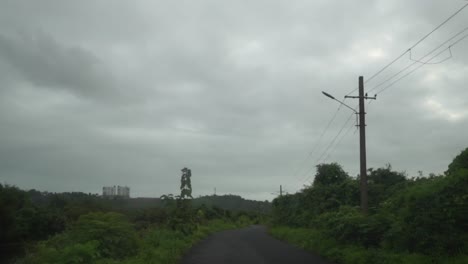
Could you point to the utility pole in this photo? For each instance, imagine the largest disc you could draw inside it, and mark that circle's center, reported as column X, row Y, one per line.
column 362, row 144
column 280, row 191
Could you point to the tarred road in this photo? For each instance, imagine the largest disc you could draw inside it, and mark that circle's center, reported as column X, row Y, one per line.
column 251, row 245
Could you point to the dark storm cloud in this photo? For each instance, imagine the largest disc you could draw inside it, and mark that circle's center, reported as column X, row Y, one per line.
column 115, row 92
column 40, row 60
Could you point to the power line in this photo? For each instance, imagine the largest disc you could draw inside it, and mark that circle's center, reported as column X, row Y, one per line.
column 388, row 65
column 443, row 23
column 329, row 146
column 339, row 141
column 420, row 65
column 315, row 147
column 439, row 62
column 334, row 139
column 303, row 177
column 419, row 60
column 414, row 45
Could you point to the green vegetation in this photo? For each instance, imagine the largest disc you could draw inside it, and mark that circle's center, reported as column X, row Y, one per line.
column 318, row 242
column 417, row 220
column 110, row 238
column 84, row 228
column 410, row 220
column 233, row 203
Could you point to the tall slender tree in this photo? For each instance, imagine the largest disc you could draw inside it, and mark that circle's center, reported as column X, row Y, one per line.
column 186, row 184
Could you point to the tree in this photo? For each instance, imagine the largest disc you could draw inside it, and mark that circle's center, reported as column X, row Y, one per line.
column 11, row 201
column 168, row 200
column 383, row 182
column 459, row 162
column 186, row 184
column 181, row 216
column 328, row 174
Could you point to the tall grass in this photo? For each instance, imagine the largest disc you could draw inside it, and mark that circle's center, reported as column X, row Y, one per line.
column 154, row 245
column 315, row 241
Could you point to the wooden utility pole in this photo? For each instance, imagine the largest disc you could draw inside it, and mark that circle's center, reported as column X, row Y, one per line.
column 362, row 144
column 281, row 190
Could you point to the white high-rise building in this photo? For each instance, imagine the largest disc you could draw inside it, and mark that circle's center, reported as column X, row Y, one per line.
column 123, row 191
column 108, row 191
column 116, row 191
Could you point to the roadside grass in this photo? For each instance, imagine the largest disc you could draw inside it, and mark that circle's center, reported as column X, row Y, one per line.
column 168, row 246
column 314, row 241
column 154, row 245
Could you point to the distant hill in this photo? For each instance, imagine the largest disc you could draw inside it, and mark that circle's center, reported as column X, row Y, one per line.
column 226, row 202
column 233, row 203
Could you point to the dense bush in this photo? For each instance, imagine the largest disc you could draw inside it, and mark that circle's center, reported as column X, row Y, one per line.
column 424, row 216
column 326, row 246
column 115, row 235
column 459, row 162
column 349, row 225
column 431, row 216
column 154, row 245
column 93, row 236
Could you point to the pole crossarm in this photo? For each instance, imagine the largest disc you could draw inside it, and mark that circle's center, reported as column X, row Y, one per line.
column 365, row 97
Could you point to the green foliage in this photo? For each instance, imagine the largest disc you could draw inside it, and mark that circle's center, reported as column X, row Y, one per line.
column 416, row 220
column 326, row 246
column 232, row 203
column 328, row 193
column 323, row 198
column 431, row 216
column 329, row 174
column 71, row 254
column 29, row 216
column 12, row 200
column 168, row 246
column 21, row 221
column 349, row 225
column 287, row 210
column 460, row 162
column 148, row 217
column 94, row 236
column 382, row 183
column 35, row 223
column 154, row 245
column 116, row 236
column 186, row 184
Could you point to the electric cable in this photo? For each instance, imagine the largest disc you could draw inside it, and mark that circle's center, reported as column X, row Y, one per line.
column 412, row 47
column 417, row 43
column 420, row 65
column 419, row 60
column 328, row 147
column 315, row 147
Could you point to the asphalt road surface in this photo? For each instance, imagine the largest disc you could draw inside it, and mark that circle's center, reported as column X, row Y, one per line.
column 251, row 245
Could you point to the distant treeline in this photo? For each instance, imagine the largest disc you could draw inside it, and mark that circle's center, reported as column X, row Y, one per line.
column 227, row 202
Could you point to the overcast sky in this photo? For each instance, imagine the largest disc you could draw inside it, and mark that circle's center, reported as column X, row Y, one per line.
column 96, row 93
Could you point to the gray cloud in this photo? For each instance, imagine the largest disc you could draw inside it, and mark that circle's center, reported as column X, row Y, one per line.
column 115, row 92
column 40, row 60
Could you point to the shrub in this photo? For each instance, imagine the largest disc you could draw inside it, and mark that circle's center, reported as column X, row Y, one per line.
column 431, row 216
column 115, row 235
